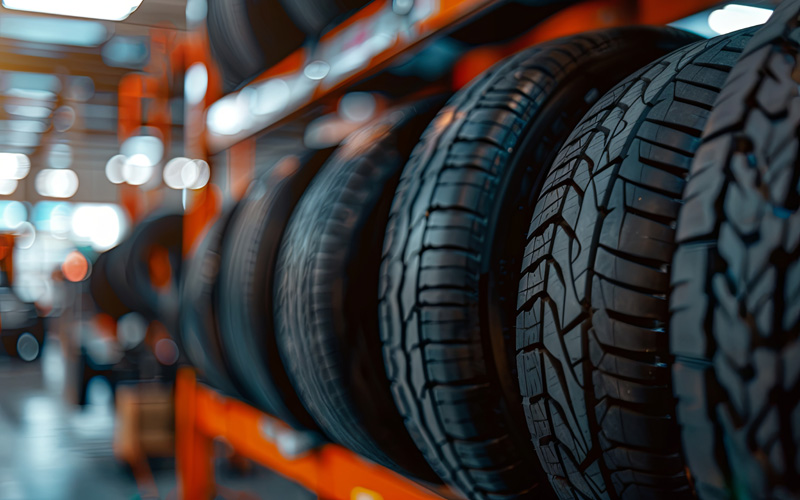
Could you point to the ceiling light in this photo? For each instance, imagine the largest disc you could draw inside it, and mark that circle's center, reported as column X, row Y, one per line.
column 27, row 126
column 14, row 213
column 28, row 111
column 111, row 10
column 32, row 94
column 114, row 169
column 52, row 30
column 173, row 172
column 99, row 224
column 8, row 186
column 56, row 183
column 147, row 148
column 14, row 166
column 137, row 169
column 736, row 17
column 59, row 156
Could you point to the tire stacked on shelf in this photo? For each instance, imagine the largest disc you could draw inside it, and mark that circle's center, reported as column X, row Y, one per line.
column 454, row 245
column 574, row 270
column 592, row 338
column 326, row 284
column 199, row 319
column 249, row 36
column 153, row 268
column 105, row 295
column 246, row 276
column 313, row 17
column 143, row 273
column 736, row 282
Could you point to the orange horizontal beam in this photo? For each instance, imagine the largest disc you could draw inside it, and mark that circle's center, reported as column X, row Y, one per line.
column 330, row 471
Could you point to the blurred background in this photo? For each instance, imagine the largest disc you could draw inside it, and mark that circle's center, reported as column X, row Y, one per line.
column 118, row 115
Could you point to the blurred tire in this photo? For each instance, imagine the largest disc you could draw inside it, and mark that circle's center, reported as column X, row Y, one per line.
column 158, row 240
column 326, row 303
column 736, row 283
column 454, row 244
column 249, row 36
column 249, row 254
column 199, row 318
column 102, row 291
column 313, row 17
column 592, row 342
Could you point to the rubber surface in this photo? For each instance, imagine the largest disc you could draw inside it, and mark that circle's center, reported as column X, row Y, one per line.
column 454, row 244
column 326, row 301
column 249, row 36
column 101, row 289
column 736, row 298
column 314, row 16
column 199, row 294
column 244, row 304
column 593, row 349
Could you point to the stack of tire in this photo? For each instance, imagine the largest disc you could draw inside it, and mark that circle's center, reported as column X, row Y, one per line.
column 142, row 274
column 249, row 36
column 580, row 279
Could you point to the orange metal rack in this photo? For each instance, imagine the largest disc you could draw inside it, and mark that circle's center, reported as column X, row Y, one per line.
column 330, row 471
column 202, row 415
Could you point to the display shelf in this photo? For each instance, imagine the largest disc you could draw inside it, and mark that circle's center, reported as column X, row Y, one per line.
column 330, row 471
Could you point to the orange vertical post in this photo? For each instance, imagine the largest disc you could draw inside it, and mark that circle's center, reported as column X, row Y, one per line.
column 194, row 453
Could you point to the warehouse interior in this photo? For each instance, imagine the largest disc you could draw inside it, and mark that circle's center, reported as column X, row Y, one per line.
column 399, row 249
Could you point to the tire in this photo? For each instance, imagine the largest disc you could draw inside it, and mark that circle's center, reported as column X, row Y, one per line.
column 101, row 290
column 157, row 302
column 592, row 344
column 313, row 17
column 249, row 36
column 455, row 233
column 244, row 304
column 199, row 319
column 326, row 305
column 736, row 288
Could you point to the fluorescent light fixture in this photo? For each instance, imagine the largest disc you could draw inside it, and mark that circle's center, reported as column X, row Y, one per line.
column 8, row 186
column 61, row 183
column 100, row 224
column 14, row 166
column 32, row 94
column 28, row 111
column 36, row 81
column 110, row 10
column 734, row 17
column 53, row 30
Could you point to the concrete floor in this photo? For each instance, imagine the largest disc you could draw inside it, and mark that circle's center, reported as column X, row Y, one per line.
column 52, row 451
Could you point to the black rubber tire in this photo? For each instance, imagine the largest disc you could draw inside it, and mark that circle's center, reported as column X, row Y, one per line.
column 314, row 16
column 454, row 245
column 249, row 36
column 164, row 231
column 104, row 295
column 244, row 304
column 199, row 295
column 592, row 343
column 326, row 301
column 736, row 281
